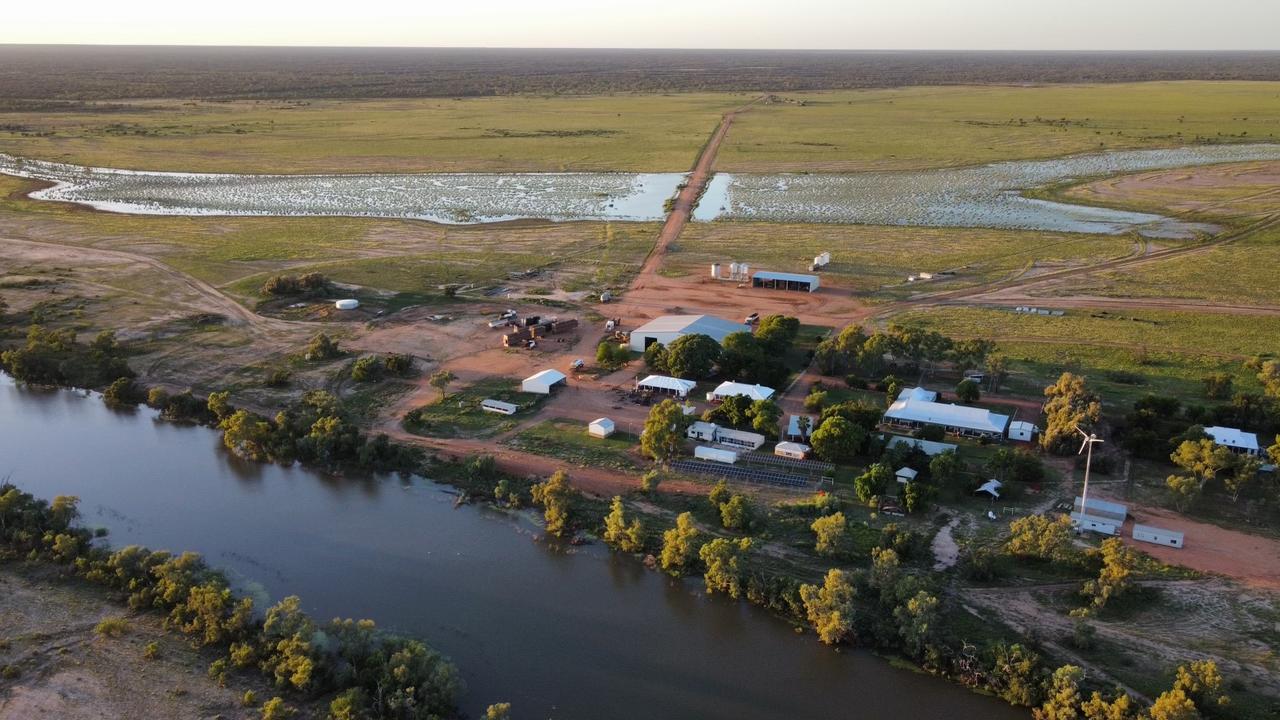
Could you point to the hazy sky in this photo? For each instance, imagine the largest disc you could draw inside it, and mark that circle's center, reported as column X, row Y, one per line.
column 854, row 24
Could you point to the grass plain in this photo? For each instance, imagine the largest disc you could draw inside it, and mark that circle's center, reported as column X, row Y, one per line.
column 925, row 127
column 875, row 261
column 527, row 133
column 1124, row 354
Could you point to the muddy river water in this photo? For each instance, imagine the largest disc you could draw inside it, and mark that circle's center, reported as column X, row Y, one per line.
column 979, row 196
column 578, row 634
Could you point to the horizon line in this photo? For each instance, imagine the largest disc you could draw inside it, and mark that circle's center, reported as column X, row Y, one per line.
column 306, row 46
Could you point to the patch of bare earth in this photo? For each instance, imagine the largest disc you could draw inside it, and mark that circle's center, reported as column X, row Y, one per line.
column 67, row 671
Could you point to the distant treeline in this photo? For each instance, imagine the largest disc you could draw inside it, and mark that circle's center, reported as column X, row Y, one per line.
column 62, row 73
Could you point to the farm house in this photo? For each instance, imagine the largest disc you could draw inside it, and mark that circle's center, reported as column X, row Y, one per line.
column 664, row 384
column 955, row 419
column 784, row 281
column 668, row 328
column 712, row 433
column 732, row 389
column 543, row 382
column 1237, row 441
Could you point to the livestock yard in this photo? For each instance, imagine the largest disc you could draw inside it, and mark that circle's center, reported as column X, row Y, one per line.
column 1169, row 331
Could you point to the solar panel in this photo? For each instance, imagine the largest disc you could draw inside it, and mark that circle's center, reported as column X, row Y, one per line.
column 815, row 466
column 745, row 474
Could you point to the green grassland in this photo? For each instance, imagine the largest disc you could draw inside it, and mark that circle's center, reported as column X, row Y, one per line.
column 460, row 414
column 875, row 261
column 1124, row 354
column 1241, row 273
column 924, row 127
column 568, row 440
column 524, row 133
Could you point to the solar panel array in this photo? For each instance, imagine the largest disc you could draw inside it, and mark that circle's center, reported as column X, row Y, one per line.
column 745, row 474
column 816, row 467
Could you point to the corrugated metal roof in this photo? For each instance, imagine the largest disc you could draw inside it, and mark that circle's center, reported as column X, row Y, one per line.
column 1232, row 437
column 716, row 328
column 793, row 277
column 947, row 415
column 755, row 392
column 669, row 383
column 929, row 447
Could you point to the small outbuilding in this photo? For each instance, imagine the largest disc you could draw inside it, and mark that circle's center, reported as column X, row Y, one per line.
column 784, row 281
column 543, row 382
column 600, row 427
column 1093, row 523
column 905, row 475
column 347, row 304
column 1023, row 431
column 792, row 450
column 669, row 385
column 1113, row 512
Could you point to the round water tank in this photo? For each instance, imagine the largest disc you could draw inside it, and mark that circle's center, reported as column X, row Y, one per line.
column 715, row 270
column 347, row 304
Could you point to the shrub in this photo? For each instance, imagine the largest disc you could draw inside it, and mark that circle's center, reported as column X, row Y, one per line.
column 111, row 627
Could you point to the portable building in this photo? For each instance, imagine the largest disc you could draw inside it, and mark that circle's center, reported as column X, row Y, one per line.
column 600, row 427
column 739, row 438
column 664, row 384
column 784, row 281
column 543, row 382
column 1237, row 441
column 955, row 419
column 793, row 450
column 498, row 406
column 732, row 389
column 668, row 328
column 702, row 431
column 1023, row 431
column 1092, row 523
column 1157, row 536
column 905, row 475
column 721, row 455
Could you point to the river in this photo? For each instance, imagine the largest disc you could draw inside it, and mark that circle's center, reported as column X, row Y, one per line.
column 578, row 635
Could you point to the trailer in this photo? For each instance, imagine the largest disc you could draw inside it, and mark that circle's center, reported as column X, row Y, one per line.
column 1157, row 536
column 498, row 406
column 721, row 455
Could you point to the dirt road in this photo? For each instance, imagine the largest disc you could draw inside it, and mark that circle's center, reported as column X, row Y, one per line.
column 688, row 197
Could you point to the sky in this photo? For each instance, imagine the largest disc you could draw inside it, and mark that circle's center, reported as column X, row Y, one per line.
column 781, row 24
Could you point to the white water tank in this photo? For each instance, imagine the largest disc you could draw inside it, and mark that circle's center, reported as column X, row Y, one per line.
column 715, row 271
column 743, row 271
column 347, row 304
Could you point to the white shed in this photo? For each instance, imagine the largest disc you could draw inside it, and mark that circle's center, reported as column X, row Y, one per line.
column 905, row 475
column 542, row 382
column 498, row 406
column 721, row 455
column 667, row 328
column 1022, row 431
column 731, row 389
column 600, row 427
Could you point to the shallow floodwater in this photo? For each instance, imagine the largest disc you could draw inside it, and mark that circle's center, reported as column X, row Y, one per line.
column 982, row 196
column 453, row 198
column 575, row 635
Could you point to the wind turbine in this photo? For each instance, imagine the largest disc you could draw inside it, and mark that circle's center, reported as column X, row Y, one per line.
column 1089, row 440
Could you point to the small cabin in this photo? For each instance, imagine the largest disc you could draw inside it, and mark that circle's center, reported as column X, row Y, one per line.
column 498, row 406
